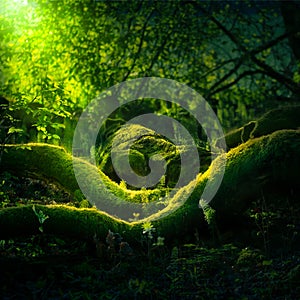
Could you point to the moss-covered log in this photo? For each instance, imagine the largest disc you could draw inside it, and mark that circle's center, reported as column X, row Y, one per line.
column 44, row 161
column 276, row 119
column 238, row 136
column 271, row 159
column 53, row 163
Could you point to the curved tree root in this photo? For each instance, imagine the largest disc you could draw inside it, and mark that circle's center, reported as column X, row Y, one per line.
column 271, row 159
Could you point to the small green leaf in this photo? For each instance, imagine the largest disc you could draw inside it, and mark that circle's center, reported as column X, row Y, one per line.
column 15, row 130
column 57, row 126
column 55, row 136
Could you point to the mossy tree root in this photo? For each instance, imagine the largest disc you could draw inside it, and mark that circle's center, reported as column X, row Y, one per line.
column 272, row 159
column 264, row 163
column 274, row 120
column 53, row 163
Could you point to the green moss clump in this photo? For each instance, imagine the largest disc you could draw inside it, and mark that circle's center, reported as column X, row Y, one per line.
column 146, row 144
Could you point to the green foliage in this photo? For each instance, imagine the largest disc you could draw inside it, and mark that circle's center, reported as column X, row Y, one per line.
column 84, row 204
column 123, row 184
column 264, row 220
column 41, row 218
column 214, row 273
column 210, row 218
column 247, row 257
column 140, row 287
column 54, row 64
column 293, row 276
column 209, row 213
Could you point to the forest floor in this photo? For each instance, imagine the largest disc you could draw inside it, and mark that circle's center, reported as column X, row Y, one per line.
column 51, row 267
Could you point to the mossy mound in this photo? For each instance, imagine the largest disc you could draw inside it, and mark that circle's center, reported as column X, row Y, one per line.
column 144, row 144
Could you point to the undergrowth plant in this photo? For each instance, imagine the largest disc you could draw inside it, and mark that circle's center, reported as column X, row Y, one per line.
column 148, row 239
column 264, row 220
column 210, row 218
column 9, row 127
column 275, row 223
column 41, row 218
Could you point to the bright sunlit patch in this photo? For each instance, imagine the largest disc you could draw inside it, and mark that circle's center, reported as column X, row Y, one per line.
column 16, row 8
column 9, row 5
column 20, row 2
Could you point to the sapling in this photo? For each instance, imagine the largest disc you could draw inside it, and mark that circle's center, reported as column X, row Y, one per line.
column 41, row 217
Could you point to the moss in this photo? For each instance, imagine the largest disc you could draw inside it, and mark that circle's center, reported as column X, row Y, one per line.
column 53, row 163
column 63, row 220
column 37, row 159
column 145, row 143
column 136, row 159
column 238, row 136
column 48, row 161
column 272, row 159
column 84, row 223
column 277, row 119
column 247, row 129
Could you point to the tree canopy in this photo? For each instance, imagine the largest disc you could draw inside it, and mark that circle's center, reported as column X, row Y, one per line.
column 59, row 55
